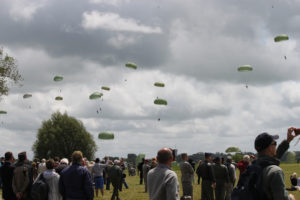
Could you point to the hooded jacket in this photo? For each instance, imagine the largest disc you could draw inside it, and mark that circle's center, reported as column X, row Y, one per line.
column 52, row 179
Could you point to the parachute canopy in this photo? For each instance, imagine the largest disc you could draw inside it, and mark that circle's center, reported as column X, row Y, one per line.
column 96, row 95
column 160, row 102
column 59, row 98
column 281, row 37
column 131, row 65
column 158, row 84
column 245, row 68
column 106, row 136
column 3, row 112
column 232, row 149
column 58, row 78
column 25, row 96
column 105, row 88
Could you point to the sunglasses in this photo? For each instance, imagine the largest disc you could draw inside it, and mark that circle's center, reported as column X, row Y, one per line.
column 274, row 143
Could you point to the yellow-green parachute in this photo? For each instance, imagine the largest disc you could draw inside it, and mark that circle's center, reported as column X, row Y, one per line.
column 3, row 112
column 245, row 68
column 59, row 98
column 26, row 96
column 58, row 78
column 131, row 65
column 160, row 102
column 106, row 136
column 96, row 95
column 280, row 38
column 158, row 84
column 105, row 88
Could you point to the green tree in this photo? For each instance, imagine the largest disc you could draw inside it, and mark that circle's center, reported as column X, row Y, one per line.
column 61, row 135
column 9, row 73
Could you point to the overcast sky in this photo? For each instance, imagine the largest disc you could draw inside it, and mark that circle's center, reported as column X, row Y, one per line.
column 194, row 47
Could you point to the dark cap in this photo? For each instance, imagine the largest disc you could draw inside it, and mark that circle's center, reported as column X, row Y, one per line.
column 207, row 154
column 217, row 158
column 22, row 156
column 263, row 141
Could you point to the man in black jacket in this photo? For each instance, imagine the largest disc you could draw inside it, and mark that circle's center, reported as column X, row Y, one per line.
column 6, row 173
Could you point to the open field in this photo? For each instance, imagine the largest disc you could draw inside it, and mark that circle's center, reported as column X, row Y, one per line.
column 136, row 191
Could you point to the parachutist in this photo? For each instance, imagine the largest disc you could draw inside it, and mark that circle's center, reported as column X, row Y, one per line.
column 285, row 57
column 29, row 107
column 247, row 86
column 97, row 112
column 158, row 119
column 100, row 109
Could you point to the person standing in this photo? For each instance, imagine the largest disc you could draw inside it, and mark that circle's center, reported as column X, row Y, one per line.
column 162, row 181
column 197, row 171
column 140, row 170
column 243, row 164
column 187, row 176
column 22, row 179
column 97, row 174
column 75, row 181
column 123, row 179
column 115, row 174
column 232, row 177
column 208, row 178
column 222, row 179
column 146, row 168
column 6, row 173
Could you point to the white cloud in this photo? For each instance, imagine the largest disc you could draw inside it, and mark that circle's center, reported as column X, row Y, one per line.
column 25, row 9
column 120, row 41
column 110, row 2
column 112, row 21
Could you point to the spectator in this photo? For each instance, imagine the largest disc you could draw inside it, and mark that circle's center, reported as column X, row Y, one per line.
column 75, row 181
column 42, row 166
column 115, row 174
column 140, row 170
column 97, row 174
column 208, row 178
column 52, row 179
column 153, row 163
column 6, row 173
column 34, row 170
column 222, row 179
column 162, row 181
column 187, row 176
column 243, row 164
column 198, row 172
column 62, row 165
column 232, row 177
column 22, row 179
column 295, row 182
column 272, row 175
column 146, row 169
column 123, row 179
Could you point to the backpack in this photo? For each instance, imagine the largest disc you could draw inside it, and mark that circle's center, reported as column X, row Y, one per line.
column 39, row 189
column 250, row 185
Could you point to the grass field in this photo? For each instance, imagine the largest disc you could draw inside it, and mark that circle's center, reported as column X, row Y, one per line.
column 136, row 191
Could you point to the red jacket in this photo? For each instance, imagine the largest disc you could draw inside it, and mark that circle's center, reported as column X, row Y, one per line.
column 242, row 166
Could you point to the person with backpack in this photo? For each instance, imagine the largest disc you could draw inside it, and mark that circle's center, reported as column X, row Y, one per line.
column 264, row 179
column 51, row 178
column 7, row 172
column 22, row 178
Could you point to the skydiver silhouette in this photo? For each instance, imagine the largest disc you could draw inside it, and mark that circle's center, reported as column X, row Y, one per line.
column 97, row 112
column 246, row 86
column 158, row 119
column 285, row 57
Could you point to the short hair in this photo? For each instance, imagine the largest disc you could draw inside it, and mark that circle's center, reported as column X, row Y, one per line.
column 64, row 161
column 116, row 162
column 163, row 156
column 50, row 164
column 22, row 156
column 77, row 156
column 97, row 160
column 183, row 155
column 8, row 155
column 246, row 158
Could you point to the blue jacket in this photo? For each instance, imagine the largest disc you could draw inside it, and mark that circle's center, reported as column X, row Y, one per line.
column 76, row 183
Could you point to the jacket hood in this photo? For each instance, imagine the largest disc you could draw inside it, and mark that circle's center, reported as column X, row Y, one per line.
column 48, row 174
column 265, row 160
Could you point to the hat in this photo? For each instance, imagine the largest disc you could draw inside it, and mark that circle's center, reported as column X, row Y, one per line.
column 22, row 156
column 206, row 154
column 263, row 140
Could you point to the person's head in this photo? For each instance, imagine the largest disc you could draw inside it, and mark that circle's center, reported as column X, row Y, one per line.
column 64, row 161
column 265, row 144
column 43, row 160
column 22, row 156
column 50, row 164
column 9, row 156
column 184, row 156
column 56, row 159
column 246, row 158
column 77, row 157
column 117, row 162
column 165, row 156
column 294, row 175
column 229, row 159
column 207, row 156
column 97, row 160
column 217, row 159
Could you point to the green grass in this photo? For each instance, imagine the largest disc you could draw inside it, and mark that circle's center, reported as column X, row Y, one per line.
column 136, row 191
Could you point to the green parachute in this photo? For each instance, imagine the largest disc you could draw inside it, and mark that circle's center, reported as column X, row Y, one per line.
column 245, row 68
column 131, row 65
column 3, row 112
column 106, row 136
column 158, row 84
column 59, row 98
column 280, row 38
column 232, row 150
column 58, row 78
column 105, row 88
column 160, row 102
column 96, row 95
column 26, row 96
